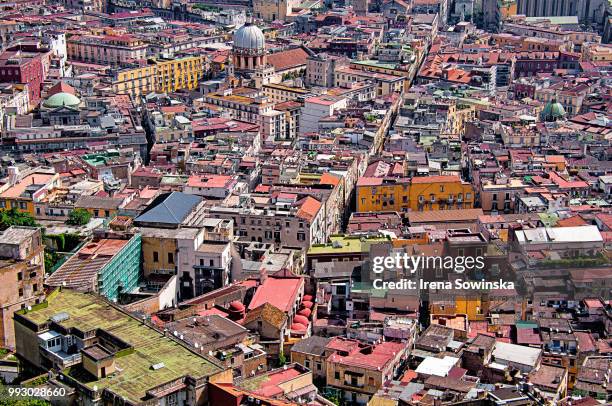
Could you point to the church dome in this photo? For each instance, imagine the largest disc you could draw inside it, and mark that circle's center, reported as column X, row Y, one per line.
column 62, row 99
column 553, row 111
column 249, row 36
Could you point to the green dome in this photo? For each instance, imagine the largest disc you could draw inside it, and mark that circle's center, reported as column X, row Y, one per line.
column 62, row 99
column 553, row 111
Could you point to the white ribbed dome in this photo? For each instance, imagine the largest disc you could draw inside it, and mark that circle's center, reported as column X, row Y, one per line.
column 249, row 36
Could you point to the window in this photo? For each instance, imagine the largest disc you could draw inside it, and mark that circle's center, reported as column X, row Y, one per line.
column 211, row 262
column 441, row 188
column 155, row 256
column 171, row 258
column 301, row 237
column 19, row 276
column 336, row 375
column 307, row 363
column 20, row 292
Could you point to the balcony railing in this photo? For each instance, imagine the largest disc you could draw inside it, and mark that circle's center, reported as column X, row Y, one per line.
column 61, row 358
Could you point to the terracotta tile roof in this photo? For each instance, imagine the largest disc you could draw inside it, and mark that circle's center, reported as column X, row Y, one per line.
column 444, row 216
column 329, row 179
column 436, row 179
column 573, row 221
column 20, row 187
column 368, row 181
column 309, row 208
column 280, row 292
column 61, row 87
column 288, row 59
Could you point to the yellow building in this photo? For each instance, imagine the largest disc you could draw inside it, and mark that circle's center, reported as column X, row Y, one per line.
column 440, row 193
column 162, row 75
column 597, row 53
column 473, row 307
column 418, row 194
column 160, row 249
column 274, row 10
column 178, row 73
column 378, row 194
column 136, row 82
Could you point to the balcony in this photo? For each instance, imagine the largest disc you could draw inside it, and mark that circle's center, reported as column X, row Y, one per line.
column 61, row 358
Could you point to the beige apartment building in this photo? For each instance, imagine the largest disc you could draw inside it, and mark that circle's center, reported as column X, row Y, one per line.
column 22, row 269
column 106, row 49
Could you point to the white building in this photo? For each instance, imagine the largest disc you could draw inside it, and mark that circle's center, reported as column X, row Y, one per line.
column 316, row 108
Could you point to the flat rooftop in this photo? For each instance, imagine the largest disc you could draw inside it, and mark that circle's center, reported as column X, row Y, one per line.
column 135, row 373
column 205, row 330
column 346, row 244
column 14, row 235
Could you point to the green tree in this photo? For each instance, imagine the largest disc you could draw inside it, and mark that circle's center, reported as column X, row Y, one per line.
column 14, row 217
column 282, row 360
column 78, row 217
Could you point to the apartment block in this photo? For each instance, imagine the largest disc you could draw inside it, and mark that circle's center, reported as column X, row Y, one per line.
column 22, row 271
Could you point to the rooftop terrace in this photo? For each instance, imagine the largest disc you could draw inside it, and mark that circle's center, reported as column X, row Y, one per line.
column 136, row 375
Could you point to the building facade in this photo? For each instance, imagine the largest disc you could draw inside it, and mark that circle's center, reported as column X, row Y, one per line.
column 22, row 270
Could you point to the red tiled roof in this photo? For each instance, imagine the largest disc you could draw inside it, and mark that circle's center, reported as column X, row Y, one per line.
column 309, row 208
column 367, row 181
column 436, row 179
column 279, row 292
column 288, row 59
column 586, row 343
column 61, row 87
column 329, row 179
column 573, row 221
column 528, row 336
